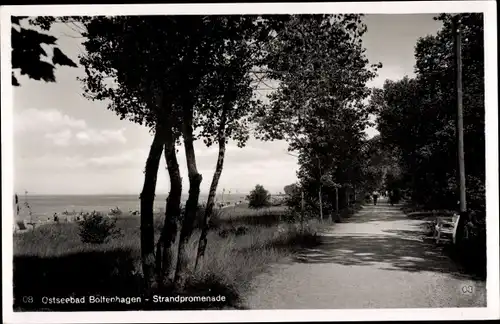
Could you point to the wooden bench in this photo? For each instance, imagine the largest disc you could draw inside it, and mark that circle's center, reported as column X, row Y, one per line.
column 446, row 229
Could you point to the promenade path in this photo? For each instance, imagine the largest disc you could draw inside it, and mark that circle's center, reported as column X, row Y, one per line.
column 375, row 259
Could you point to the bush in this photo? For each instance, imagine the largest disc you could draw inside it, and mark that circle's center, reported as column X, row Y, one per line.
column 200, row 215
column 236, row 231
column 96, row 228
column 259, row 197
column 291, row 216
column 115, row 211
column 296, row 235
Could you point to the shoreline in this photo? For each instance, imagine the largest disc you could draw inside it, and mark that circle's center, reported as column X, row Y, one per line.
column 30, row 224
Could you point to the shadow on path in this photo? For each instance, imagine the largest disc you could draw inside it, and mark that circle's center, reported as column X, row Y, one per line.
column 384, row 237
column 388, row 252
column 379, row 213
column 378, row 258
column 375, row 218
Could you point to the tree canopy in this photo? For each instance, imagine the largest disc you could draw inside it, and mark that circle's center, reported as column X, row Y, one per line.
column 28, row 54
column 417, row 117
column 319, row 105
column 186, row 77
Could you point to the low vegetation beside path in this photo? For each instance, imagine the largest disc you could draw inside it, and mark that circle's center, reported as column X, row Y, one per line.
column 66, row 266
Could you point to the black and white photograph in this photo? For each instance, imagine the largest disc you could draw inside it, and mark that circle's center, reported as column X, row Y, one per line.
column 250, row 162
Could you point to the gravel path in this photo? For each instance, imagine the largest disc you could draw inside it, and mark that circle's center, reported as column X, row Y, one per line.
column 376, row 259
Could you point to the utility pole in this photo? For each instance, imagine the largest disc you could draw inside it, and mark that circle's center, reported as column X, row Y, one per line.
column 460, row 121
column 464, row 216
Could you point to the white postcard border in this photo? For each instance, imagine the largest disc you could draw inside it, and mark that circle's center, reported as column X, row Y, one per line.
column 491, row 97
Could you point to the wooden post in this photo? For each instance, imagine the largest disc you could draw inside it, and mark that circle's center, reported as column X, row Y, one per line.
column 464, row 217
column 16, row 202
column 347, row 196
column 460, row 122
column 337, row 200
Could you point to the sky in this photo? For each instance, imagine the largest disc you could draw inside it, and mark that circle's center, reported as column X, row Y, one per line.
column 66, row 144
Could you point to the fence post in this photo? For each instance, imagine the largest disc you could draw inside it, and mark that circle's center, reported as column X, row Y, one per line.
column 302, row 211
column 347, row 196
column 337, row 200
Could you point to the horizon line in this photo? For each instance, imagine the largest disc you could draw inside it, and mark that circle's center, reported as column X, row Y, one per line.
column 123, row 194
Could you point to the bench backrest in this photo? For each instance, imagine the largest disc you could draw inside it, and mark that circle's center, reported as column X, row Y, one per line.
column 456, row 219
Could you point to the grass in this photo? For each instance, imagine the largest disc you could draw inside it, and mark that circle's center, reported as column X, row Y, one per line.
column 233, row 215
column 243, row 210
column 242, row 214
column 52, row 261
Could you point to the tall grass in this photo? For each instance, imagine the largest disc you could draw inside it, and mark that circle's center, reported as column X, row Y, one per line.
column 46, row 257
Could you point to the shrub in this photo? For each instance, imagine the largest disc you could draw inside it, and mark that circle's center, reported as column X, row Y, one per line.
column 296, row 235
column 290, row 190
column 259, row 197
column 236, row 231
column 96, row 228
column 200, row 215
column 115, row 211
column 291, row 215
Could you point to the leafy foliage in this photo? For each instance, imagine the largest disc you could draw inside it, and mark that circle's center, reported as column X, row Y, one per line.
column 115, row 211
column 319, row 64
column 96, row 228
column 417, row 117
column 259, row 197
column 201, row 61
column 188, row 75
column 225, row 96
column 290, row 189
column 30, row 57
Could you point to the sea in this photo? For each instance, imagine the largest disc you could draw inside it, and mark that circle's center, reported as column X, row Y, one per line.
column 44, row 206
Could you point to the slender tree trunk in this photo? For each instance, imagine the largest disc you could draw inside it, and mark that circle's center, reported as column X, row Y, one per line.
column 202, row 244
column 168, row 235
column 164, row 255
column 302, row 210
column 320, row 194
column 347, row 196
column 147, row 203
column 320, row 204
column 195, row 179
column 337, row 201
